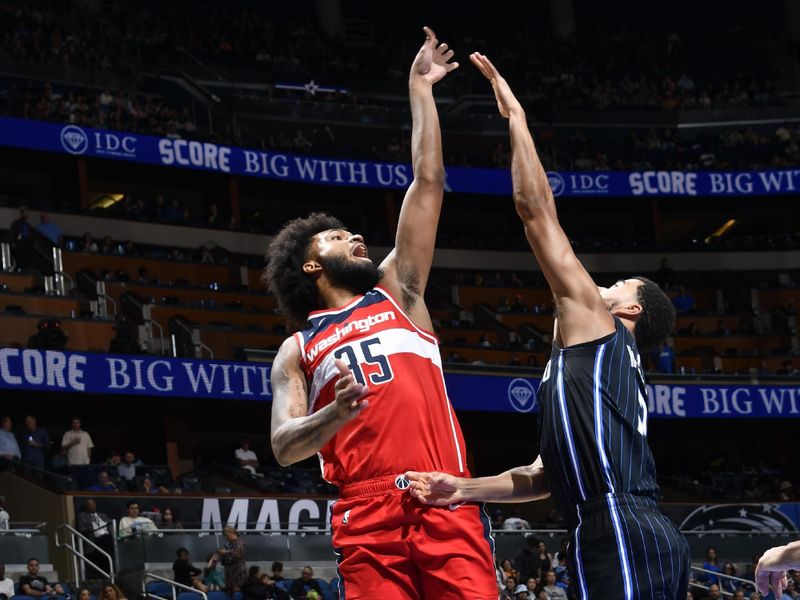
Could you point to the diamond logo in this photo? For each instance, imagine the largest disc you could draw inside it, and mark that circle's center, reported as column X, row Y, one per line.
column 556, row 182
column 521, row 395
column 74, row 140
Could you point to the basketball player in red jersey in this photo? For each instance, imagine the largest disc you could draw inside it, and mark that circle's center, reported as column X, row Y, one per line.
column 360, row 384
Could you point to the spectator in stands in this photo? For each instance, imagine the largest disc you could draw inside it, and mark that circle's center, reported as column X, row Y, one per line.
column 107, row 246
column 246, row 458
column 168, row 519
column 133, row 523
column 665, row 359
column 84, row 594
column 149, row 486
column 728, row 585
column 302, row 587
column 49, row 229
column 233, row 558
column 6, row 584
column 497, row 519
column 519, row 304
column 507, row 593
column 508, row 569
column 78, row 444
column 484, row 341
column 104, row 483
column 34, row 584
column 186, row 573
column 110, row 591
column 521, row 592
column 714, row 592
column 95, row 526
column 88, row 244
column 213, row 574
column 258, row 585
column 527, row 561
column 504, row 305
column 683, row 302
column 553, row 591
column 19, row 235
column 114, row 458
column 531, row 584
column 9, row 448
column 515, row 521
column 144, row 275
column 127, row 469
column 36, row 443
column 665, row 276
column 710, row 564
column 5, row 518
column 545, row 559
column 786, row 491
column 277, row 571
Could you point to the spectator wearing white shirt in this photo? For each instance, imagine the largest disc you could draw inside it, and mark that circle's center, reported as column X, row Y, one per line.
column 133, row 523
column 78, row 444
column 127, row 469
column 5, row 518
column 246, row 458
column 9, row 448
column 6, row 584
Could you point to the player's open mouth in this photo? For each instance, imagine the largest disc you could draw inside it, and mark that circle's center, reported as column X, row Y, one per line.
column 360, row 251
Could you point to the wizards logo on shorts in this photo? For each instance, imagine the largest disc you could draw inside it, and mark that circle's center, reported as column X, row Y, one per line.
column 756, row 518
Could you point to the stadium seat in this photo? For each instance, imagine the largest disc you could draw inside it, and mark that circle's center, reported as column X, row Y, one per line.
column 218, row 596
column 189, row 596
column 159, row 588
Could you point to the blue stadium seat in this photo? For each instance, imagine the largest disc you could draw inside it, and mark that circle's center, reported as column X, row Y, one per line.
column 335, row 588
column 189, row 596
column 67, row 588
column 218, row 596
column 237, row 596
column 326, row 589
column 159, row 588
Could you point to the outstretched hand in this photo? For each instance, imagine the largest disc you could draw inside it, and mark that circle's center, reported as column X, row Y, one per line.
column 435, row 489
column 507, row 102
column 432, row 62
column 771, row 572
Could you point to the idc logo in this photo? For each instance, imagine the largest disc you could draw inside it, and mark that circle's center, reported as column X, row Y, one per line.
column 521, row 395
column 74, row 140
column 556, row 182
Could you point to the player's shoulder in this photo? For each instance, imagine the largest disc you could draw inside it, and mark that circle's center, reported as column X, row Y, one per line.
column 289, row 350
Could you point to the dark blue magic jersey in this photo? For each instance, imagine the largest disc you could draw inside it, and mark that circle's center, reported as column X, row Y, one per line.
column 593, row 422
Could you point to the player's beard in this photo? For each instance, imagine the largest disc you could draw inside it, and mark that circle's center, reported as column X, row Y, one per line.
column 358, row 276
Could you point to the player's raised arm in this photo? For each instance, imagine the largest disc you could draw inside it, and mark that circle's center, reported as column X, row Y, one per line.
column 582, row 314
column 408, row 265
column 520, row 484
column 295, row 434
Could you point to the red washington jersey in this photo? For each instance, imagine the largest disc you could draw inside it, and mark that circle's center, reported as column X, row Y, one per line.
column 409, row 423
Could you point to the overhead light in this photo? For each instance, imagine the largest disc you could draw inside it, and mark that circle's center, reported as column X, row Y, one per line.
column 106, row 200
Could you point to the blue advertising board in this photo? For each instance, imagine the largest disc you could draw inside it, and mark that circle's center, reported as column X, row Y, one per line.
column 222, row 158
column 57, row 371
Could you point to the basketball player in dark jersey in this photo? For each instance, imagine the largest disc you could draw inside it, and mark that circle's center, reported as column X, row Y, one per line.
column 594, row 459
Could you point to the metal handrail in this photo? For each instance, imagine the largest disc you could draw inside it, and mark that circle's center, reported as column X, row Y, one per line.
column 71, row 546
column 721, row 576
column 171, row 582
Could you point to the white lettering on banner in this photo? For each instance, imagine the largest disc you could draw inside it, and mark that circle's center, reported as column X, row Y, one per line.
column 114, row 145
column 164, row 383
column 261, row 163
column 773, row 181
column 301, row 506
column 269, row 515
column 206, row 375
column 362, row 325
column 663, row 182
column 196, row 154
column 586, row 183
column 666, row 400
column 211, row 515
column 717, row 402
column 392, row 175
column 37, row 367
column 238, row 516
column 730, row 183
column 775, row 399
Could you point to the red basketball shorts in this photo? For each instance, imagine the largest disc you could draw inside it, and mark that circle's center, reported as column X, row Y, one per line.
column 390, row 546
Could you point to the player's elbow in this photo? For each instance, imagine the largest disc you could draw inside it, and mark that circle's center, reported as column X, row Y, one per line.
column 532, row 204
column 281, row 451
column 429, row 176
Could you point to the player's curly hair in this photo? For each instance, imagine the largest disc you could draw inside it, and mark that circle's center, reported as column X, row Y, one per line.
column 658, row 316
column 283, row 274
